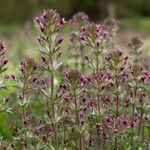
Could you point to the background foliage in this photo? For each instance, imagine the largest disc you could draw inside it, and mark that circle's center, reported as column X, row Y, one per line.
column 13, row 11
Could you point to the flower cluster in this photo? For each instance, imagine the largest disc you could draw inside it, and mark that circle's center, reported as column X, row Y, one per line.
column 93, row 35
column 102, row 103
column 3, row 59
column 4, row 107
column 49, row 22
column 76, row 47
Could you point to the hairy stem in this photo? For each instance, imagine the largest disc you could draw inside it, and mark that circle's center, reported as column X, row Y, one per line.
column 117, row 103
column 132, row 143
column 52, row 96
column 82, row 57
column 77, row 116
column 140, row 123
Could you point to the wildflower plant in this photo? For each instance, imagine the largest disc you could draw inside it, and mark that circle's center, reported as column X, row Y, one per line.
column 50, row 24
column 3, row 86
column 105, row 106
column 77, row 48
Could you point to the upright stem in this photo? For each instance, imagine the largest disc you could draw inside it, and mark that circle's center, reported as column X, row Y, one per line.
column 52, row 96
column 143, row 138
column 77, row 116
column 141, row 127
column 97, row 63
column 82, row 57
column 64, row 127
column 147, row 147
column 117, row 103
column 98, row 99
column 52, row 87
column 24, row 99
column 133, row 112
column 98, row 105
column 140, row 123
column 132, row 144
column 76, row 61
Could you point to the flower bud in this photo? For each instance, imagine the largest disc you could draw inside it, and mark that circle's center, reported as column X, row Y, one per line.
column 40, row 40
column 43, row 59
column 37, row 20
column 98, row 27
column 62, row 21
column 115, row 130
column 60, row 39
column 34, row 79
column 5, row 61
column 97, row 44
column 13, row 76
column 82, row 38
column 82, row 29
column 2, row 49
column 87, row 58
column 42, row 27
column 45, row 15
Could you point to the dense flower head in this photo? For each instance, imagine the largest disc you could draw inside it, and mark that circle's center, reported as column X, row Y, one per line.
column 90, row 102
column 102, row 75
column 106, row 100
column 44, row 131
column 73, row 76
column 108, row 120
column 79, row 19
column 135, row 43
column 49, row 22
column 124, row 120
column 111, row 25
column 93, row 35
column 28, row 66
column 84, row 79
column 136, row 69
column 117, row 58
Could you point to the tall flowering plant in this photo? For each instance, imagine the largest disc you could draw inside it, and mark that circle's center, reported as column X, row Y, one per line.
column 3, row 62
column 76, row 47
column 50, row 39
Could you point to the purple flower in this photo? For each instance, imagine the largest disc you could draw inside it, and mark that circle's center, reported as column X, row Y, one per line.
column 49, row 22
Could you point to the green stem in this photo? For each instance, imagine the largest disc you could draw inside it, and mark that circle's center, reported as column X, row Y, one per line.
column 82, row 57
column 140, row 123
column 133, row 111
column 64, row 134
column 117, row 103
column 132, row 144
column 97, row 63
column 98, row 105
column 52, row 94
column 147, row 147
column 77, row 116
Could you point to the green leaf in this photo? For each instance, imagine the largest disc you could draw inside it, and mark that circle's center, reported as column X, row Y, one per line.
column 23, row 103
column 57, row 66
column 2, row 70
column 45, row 93
column 9, row 110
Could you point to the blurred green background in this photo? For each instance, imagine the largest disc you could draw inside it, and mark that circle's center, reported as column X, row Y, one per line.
column 19, row 11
